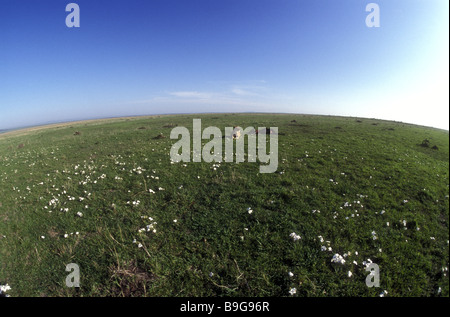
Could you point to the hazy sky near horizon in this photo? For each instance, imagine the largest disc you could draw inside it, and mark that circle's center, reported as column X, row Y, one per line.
column 139, row 57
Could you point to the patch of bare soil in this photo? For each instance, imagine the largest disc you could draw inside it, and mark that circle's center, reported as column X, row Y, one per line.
column 131, row 280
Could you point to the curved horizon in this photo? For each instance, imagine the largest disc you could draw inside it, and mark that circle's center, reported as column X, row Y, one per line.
column 81, row 120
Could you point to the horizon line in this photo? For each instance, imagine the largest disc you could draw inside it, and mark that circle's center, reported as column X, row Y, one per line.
column 63, row 121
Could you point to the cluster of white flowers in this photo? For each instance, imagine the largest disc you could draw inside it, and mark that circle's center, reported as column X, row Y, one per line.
column 66, row 235
column 383, row 293
column 367, row 263
column 138, row 243
column 292, row 291
column 135, row 203
column 53, row 202
column 404, row 224
column 120, row 163
column 337, row 258
column 149, row 227
column 138, row 170
column 295, row 236
column 57, row 199
column 249, row 210
column 323, row 247
column 332, row 181
column 4, row 289
column 374, row 235
column 351, row 205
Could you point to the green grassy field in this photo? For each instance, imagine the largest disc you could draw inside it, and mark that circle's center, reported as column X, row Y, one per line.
column 104, row 195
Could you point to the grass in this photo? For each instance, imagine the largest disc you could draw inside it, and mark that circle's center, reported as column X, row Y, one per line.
column 340, row 182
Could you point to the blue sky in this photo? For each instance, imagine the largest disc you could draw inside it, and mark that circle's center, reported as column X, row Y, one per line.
column 185, row 56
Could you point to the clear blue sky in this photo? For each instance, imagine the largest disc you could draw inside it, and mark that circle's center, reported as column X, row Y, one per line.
column 137, row 57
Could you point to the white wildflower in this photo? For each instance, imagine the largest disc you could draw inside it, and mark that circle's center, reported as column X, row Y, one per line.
column 337, row 258
column 374, row 235
column 383, row 293
column 295, row 236
column 4, row 289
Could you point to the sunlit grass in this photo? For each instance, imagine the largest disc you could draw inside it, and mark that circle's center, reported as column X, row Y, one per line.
column 105, row 195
